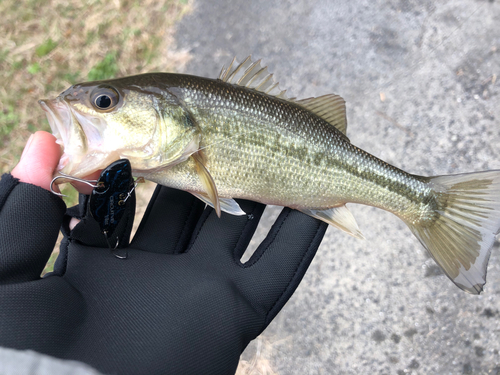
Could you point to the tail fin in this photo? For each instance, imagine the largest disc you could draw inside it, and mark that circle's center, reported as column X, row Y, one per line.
column 464, row 229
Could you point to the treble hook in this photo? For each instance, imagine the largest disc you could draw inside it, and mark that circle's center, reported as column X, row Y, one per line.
column 115, row 250
column 90, row 183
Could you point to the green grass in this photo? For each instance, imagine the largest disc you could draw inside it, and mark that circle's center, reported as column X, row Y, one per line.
column 45, row 48
column 104, row 69
column 49, row 267
column 9, row 121
column 34, row 68
column 48, row 45
column 43, row 52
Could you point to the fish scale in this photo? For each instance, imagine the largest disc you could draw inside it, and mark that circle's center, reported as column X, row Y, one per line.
column 283, row 164
column 239, row 136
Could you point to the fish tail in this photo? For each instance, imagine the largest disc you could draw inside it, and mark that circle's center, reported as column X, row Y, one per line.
column 463, row 226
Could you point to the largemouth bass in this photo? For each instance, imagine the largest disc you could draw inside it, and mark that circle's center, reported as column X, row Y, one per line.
column 239, row 136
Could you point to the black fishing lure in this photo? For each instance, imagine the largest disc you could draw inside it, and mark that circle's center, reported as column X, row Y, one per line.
column 109, row 198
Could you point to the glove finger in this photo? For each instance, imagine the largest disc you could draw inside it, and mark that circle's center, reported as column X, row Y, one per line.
column 222, row 240
column 169, row 221
column 276, row 268
column 30, row 219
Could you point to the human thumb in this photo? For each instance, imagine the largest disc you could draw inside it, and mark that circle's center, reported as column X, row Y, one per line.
column 39, row 160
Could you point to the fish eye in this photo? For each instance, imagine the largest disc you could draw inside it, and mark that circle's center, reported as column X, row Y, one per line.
column 104, row 98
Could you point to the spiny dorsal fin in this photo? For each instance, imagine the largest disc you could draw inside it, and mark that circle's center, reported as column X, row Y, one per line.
column 252, row 75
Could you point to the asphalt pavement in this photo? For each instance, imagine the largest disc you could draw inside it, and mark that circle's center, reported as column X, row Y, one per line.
column 422, row 84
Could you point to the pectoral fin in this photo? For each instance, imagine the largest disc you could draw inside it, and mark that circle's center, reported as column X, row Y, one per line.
column 208, row 182
column 226, row 204
column 340, row 217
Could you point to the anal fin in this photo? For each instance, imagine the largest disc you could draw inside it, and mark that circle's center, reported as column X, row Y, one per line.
column 339, row 217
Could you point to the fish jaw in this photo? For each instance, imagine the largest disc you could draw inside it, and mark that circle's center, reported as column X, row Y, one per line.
column 57, row 117
column 68, row 134
column 80, row 139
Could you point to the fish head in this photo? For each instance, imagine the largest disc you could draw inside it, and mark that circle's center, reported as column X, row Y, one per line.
column 97, row 123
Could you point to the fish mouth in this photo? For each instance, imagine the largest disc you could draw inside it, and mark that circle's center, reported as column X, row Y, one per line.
column 63, row 128
column 58, row 115
column 69, row 134
column 79, row 136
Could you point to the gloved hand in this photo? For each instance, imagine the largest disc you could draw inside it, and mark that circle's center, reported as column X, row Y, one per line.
column 181, row 303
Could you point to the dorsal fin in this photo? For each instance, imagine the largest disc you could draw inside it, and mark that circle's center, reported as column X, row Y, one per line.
column 252, row 75
column 330, row 108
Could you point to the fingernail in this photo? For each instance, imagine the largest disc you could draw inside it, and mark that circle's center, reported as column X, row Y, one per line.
column 28, row 144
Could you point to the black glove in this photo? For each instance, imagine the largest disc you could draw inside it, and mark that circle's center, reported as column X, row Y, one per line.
column 181, row 303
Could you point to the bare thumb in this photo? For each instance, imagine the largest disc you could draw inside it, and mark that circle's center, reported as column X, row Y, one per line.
column 39, row 160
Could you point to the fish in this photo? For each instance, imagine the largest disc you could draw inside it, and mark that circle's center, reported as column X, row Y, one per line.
column 240, row 136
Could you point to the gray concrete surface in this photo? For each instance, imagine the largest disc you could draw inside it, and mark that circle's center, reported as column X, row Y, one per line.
column 422, row 83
